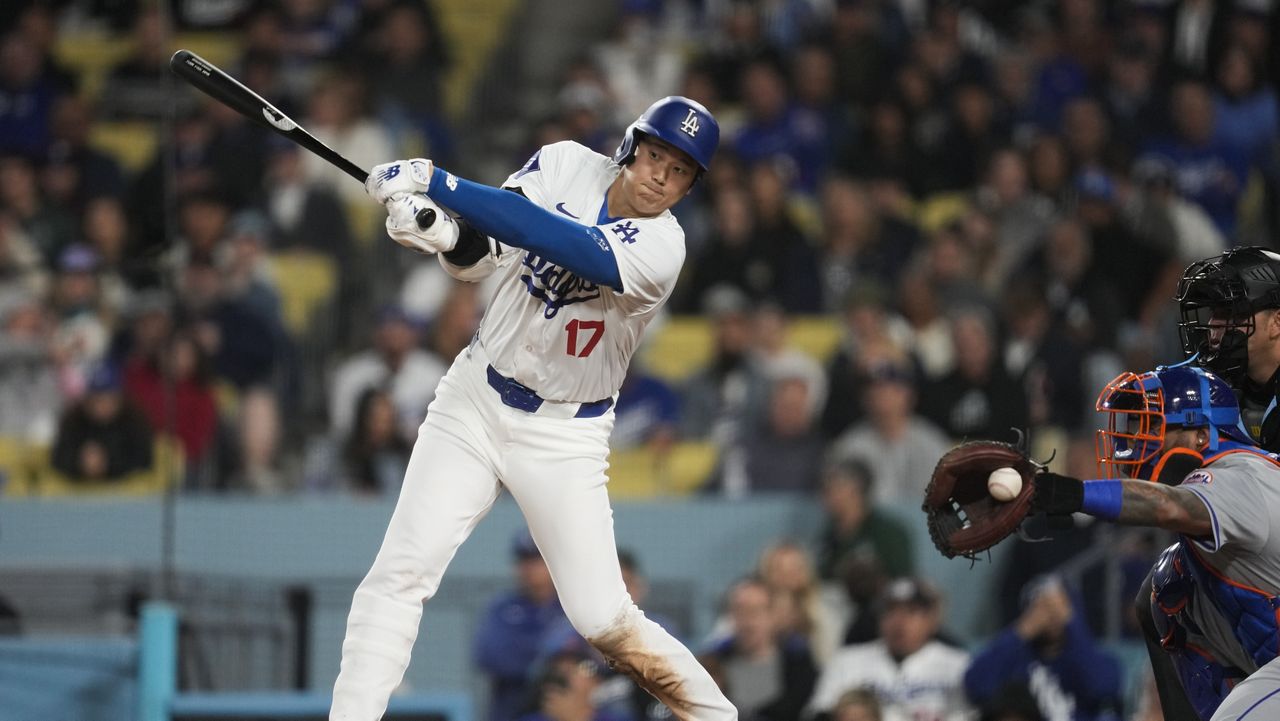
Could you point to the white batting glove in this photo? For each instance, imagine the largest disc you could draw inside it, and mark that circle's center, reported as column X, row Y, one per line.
column 404, row 215
column 401, row 176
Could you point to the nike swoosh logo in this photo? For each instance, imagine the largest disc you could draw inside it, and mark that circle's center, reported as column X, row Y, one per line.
column 560, row 207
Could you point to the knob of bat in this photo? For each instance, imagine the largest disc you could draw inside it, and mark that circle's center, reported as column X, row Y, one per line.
column 425, row 218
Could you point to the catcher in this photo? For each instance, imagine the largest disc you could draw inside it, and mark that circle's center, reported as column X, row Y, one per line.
column 1216, row 592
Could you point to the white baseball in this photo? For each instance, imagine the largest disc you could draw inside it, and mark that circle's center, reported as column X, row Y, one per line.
column 1004, row 484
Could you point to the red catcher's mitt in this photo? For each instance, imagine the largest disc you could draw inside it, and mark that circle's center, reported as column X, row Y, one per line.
column 963, row 517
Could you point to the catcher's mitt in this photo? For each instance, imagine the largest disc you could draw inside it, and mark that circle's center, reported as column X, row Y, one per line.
column 963, row 517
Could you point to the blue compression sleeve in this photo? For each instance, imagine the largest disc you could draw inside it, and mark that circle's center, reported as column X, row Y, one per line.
column 513, row 219
column 1102, row 499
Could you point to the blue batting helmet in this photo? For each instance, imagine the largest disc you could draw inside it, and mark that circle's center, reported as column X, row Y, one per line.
column 1141, row 407
column 677, row 120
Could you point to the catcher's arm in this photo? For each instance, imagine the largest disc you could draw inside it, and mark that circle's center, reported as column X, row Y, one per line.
column 1129, row 502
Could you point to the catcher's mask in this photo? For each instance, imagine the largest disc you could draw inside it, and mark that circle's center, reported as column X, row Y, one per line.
column 1217, row 298
column 1142, row 407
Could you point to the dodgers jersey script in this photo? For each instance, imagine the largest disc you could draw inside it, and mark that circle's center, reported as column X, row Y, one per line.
column 568, row 338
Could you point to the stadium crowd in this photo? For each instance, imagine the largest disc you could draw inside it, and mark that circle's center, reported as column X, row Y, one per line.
column 990, row 201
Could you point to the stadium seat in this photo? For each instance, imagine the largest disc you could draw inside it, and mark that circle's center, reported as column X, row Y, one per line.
column 132, row 143
column 306, row 281
column 940, row 209
column 639, row 473
column 682, row 345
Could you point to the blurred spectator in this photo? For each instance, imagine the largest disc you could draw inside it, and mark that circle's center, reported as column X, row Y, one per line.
column 454, row 323
column 512, row 629
column 136, row 88
column 1134, row 100
column 1044, row 357
column 105, row 230
column 303, row 214
column 862, row 57
column 737, row 255
column 886, row 148
column 900, row 447
column 794, row 262
column 1050, row 652
column 1060, row 77
column 858, row 538
column 1155, row 209
column 22, row 267
column 406, row 62
column 813, row 75
column 30, row 397
column 311, row 30
column 102, row 436
column 1087, row 132
column 48, row 227
column 859, row 244
column 376, row 454
column 396, row 363
column 860, row 704
column 28, row 92
column 567, row 689
column 1206, row 171
column 647, row 412
column 191, row 154
column 727, row 397
column 84, row 171
column 978, row 399
column 83, row 332
column 800, row 606
column 972, row 137
column 930, row 330
column 738, row 38
column 767, row 674
column 241, row 343
column 338, row 115
column 913, row 674
column 1049, row 168
column 1244, row 109
column 248, row 277
column 38, row 23
column 1019, row 214
column 872, row 335
column 1083, row 300
column 776, row 128
column 639, row 64
column 784, row 454
column 168, row 376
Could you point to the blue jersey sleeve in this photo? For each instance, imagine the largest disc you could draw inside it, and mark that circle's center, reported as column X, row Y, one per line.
column 514, row 220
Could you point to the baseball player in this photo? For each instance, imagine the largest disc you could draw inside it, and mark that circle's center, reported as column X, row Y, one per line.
column 1214, row 596
column 587, row 252
column 1230, row 306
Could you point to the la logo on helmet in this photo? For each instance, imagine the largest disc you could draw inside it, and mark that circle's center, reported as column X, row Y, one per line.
column 690, row 124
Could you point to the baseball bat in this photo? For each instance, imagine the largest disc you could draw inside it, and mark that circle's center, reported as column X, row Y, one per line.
column 212, row 81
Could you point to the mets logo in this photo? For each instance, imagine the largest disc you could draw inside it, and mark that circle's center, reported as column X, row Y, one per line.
column 690, row 125
column 282, row 123
column 556, row 287
column 1198, row 477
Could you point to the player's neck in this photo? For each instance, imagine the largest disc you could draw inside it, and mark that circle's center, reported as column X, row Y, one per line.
column 619, row 206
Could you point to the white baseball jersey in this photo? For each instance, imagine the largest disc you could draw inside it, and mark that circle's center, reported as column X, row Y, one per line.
column 928, row 685
column 565, row 337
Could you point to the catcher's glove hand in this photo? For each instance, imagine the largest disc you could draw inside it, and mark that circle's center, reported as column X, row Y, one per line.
column 963, row 517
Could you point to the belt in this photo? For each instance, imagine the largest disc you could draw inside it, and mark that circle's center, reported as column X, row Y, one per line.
column 521, row 397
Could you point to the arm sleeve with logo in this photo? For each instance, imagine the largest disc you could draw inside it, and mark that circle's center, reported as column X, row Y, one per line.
column 650, row 252
column 1240, row 504
column 520, row 219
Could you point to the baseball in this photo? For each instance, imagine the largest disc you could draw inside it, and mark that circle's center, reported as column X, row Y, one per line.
column 1004, row 484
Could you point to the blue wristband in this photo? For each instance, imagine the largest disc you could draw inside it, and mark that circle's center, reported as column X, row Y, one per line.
column 1103, row 499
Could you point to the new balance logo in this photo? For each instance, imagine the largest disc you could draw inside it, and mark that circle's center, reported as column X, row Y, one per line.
column 283, row 122
column 690, row 125
column 388, row 173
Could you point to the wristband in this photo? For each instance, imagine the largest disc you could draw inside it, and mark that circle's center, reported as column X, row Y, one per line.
column 1103, row 499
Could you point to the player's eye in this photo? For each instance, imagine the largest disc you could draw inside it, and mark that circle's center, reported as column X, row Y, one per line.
column 681, row 169
column 653, row 155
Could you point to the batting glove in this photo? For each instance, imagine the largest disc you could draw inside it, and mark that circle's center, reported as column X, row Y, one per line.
column 405, row 218
column 401, row 176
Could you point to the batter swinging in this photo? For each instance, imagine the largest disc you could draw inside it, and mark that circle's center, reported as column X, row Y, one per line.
column 588, row 253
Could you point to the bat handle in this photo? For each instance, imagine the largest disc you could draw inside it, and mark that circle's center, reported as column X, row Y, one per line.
column 425, row 218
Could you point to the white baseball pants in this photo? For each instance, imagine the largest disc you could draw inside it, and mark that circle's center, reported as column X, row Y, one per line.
column 555, row 470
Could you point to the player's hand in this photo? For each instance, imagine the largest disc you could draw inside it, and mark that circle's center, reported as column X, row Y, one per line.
column 404, row 224
column 401, row 176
